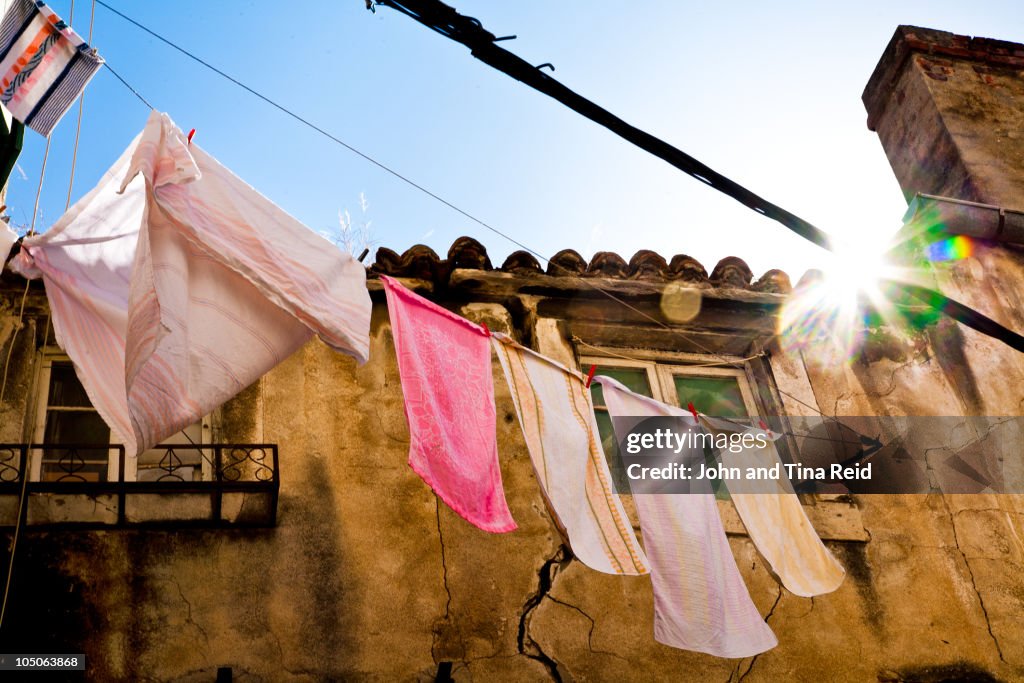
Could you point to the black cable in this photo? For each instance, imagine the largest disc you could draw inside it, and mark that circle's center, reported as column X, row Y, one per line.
column 958, row 311
column 413, row 184
column 468, row 31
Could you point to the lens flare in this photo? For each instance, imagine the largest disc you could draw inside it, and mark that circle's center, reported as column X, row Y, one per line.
column 828, row 313
column 680, row 303
column 832, row 313
column 950, row 249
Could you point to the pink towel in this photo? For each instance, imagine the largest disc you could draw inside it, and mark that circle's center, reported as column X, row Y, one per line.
column 445, row 364
column 700, row 601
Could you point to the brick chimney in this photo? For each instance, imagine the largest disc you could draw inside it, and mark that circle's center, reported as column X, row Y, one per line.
column 949, row 111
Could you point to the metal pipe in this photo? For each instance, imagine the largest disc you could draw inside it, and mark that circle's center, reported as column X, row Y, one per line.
column 973, row 219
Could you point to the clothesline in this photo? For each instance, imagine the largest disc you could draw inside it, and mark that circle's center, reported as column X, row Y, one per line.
column 566, row 272
column 173, row 285
column 304, row 121
column 731, row 363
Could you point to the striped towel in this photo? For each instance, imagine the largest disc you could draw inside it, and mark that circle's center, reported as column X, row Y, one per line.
column 44, row 65
column 776, row 521
column 557, row 418
column 174, row 285
column 700, row 601
column 445, row 364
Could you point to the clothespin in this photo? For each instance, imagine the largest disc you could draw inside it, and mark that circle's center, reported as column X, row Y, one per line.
column 487, row 330
column 590, row 375
column 764, row 426
column 190, row 134
column 693, row 410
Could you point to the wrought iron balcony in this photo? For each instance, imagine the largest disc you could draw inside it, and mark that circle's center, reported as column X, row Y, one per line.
column 96, row 486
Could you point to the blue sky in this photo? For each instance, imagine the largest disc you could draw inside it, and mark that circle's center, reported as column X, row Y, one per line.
column 766, row 93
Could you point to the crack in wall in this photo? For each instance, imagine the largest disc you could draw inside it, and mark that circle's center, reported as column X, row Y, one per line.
column 528, row 647
column 955, row 450
column 188, row 614
column 590, row 633
column 444, row 626
column 892, row 380
column 808, row 612
column 974, row 584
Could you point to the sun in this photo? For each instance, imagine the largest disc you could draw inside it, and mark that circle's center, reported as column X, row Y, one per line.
column 831, row 310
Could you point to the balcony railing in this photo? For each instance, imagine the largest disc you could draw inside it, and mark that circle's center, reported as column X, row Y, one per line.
column 84, row 485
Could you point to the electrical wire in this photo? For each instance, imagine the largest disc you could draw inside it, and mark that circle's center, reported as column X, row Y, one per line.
column 81, row 105
column 470, row 32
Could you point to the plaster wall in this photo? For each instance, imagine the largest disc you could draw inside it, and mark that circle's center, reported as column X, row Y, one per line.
column 368, row 577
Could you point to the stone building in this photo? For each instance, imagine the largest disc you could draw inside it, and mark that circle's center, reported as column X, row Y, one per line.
column 319, row 555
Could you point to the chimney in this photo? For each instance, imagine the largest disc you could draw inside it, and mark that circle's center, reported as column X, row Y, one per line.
column 949, row 111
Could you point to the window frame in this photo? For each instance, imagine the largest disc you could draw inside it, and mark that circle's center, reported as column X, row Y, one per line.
column 667, row 372
column 834, row 516
column 48, row 356
column 760, row 394
column 661, row 379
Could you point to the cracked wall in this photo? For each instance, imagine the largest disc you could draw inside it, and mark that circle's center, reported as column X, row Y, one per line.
column 368, row 577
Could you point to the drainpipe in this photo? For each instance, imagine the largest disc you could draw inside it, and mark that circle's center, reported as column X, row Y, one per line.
column 959, row 217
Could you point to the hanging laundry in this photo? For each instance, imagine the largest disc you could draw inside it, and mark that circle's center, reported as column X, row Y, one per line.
column 775, row 519
column 44, row 65
column 173, row 285
column 7, row 239
column 445, row 364
column 557, row 417
column 700, row 600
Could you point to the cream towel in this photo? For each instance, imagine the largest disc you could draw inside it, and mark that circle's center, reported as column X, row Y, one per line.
column 557, row 418
column 776, row 520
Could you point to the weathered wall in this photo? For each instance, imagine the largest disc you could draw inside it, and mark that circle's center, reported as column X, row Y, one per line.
column 368, row 577
column 947, row 111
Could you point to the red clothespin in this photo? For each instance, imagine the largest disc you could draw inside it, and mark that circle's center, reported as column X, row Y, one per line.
column 487, row 330
column 190, row 134
column 764, row 427
column 590, row 375
column 693, row 410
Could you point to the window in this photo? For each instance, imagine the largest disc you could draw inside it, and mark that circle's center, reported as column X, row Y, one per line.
column 736, row 392
column 715, row 391
column 68, row 418
column 75, row 434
